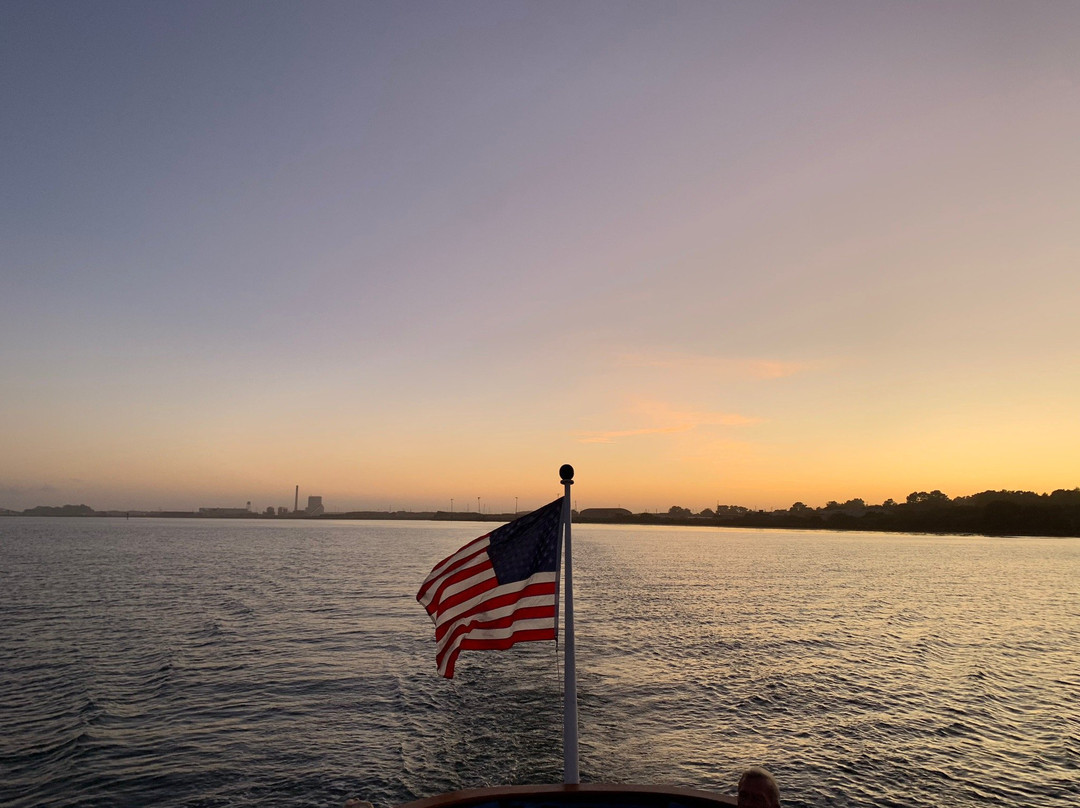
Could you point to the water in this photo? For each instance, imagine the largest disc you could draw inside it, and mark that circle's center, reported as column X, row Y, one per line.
column 206, row 663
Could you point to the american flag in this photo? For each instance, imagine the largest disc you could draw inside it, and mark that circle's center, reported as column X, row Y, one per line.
column 497, row 590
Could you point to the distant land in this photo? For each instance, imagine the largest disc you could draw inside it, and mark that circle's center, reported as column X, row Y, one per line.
column 990, row 513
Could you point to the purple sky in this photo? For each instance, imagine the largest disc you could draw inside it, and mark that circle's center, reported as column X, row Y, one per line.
column 398, row 253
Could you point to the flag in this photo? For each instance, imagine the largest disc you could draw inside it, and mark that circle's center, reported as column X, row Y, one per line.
column 497, row 590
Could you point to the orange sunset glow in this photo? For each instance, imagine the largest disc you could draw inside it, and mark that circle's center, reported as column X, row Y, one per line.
column 706, row 253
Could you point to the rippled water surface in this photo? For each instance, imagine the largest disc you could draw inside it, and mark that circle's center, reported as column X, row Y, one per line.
column 203, row 662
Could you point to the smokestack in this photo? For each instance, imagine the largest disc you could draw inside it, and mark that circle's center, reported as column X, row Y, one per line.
column 296, row 501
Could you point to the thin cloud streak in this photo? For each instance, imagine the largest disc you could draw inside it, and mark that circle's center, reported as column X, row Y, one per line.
column 610, row 437
column 728, row 367
column 670, row 422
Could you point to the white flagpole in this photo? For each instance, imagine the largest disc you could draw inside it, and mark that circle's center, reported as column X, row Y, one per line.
column 570, row 720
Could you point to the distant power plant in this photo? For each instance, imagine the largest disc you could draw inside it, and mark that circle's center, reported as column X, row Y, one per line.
column 314, row 505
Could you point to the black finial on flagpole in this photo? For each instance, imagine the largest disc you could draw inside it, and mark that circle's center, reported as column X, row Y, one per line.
column 566, row 473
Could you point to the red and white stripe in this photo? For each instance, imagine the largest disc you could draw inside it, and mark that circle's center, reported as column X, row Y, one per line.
column 472, row 611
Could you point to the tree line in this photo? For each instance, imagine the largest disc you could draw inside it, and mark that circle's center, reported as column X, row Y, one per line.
column 993, row 513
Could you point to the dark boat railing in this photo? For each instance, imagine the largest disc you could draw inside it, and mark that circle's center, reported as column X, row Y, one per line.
column 590, row 795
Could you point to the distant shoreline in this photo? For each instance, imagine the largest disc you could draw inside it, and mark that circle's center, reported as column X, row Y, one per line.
column 988, row 514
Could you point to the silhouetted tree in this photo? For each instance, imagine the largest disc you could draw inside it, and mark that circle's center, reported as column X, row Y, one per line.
column 935, row 497
column 1064, row 497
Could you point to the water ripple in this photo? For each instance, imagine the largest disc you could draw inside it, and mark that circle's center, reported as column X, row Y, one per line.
column 212, row 663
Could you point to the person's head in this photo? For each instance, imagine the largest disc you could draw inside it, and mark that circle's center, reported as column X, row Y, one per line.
column 758, row 789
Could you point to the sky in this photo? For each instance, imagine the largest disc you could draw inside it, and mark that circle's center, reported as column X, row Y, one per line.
column 400, row 254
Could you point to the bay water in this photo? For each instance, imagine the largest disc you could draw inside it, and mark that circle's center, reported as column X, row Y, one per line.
column 199, row 662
